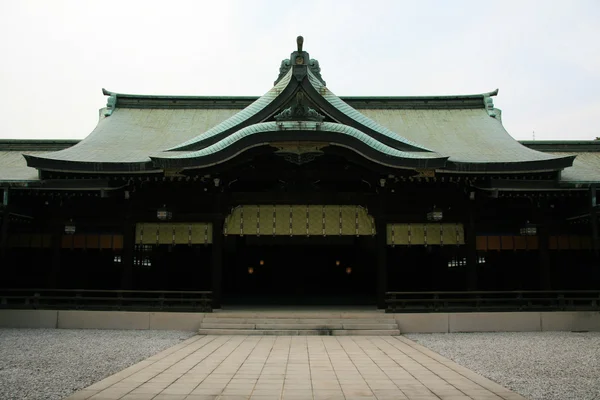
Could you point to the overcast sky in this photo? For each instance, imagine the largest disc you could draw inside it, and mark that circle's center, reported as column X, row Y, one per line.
column 55, row 56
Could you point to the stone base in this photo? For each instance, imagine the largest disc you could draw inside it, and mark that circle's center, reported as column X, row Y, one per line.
column 407, row 323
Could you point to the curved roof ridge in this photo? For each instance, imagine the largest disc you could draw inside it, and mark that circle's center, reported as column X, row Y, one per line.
column 386, row 152
column 356, row 115
column 241, row 116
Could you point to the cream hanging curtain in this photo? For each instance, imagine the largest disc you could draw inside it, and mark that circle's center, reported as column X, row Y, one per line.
column 425, row 234
column 173, row 233
column 299, row 220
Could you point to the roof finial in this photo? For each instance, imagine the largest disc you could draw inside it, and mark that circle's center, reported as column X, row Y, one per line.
column 300, row 41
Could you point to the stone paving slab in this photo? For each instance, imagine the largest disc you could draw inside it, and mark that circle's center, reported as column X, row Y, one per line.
column 296, row 368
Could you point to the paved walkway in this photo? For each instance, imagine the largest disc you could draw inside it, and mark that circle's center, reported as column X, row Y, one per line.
column 296, row 368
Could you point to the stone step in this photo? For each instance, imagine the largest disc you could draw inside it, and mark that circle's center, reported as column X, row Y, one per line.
column 279, row 322
column 299, row 314
column 222, row 325
column 216, row 320
column 302, row 332
column 326, row 326
column 376, row 326
column 367, row 332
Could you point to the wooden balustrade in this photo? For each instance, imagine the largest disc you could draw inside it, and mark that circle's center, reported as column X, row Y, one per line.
column 126, row 300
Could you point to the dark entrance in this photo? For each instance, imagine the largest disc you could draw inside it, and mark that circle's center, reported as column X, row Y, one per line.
column 299, row 271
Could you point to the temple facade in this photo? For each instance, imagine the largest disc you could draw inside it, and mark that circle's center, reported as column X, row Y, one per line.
column 300, row 197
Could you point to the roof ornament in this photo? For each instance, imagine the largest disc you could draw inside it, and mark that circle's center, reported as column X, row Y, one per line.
column 299, row 112
column 302, row 60
column 111, row 104
column 488, row 102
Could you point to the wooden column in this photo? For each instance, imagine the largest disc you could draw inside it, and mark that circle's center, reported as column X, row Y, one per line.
column 594, row 222
column 543, row 233
column 127, row 255
column 544, row 256
column 5, row 225
column 217, row 261
column 56, row 245
column 381, row 257
column 471, row 247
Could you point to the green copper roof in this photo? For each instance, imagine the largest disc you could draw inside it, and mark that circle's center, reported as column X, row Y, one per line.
column 465, row 130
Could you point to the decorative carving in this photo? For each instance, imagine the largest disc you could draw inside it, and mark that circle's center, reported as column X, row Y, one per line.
column 316, row 70
column 424, row 173
column 174, row 172
column 299, row 152
column 300, row 42
column 299, row 112
column 283, row 69
column 300, row 159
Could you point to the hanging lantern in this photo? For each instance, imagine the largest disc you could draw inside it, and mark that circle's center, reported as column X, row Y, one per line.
column 337, row 263
column 250, row 270
column 261, row 262
column 348, row 270
column 435, row 215
column 163, row 214
column 528, row 229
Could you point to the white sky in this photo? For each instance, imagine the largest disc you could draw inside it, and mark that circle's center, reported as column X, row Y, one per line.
column 55, row 56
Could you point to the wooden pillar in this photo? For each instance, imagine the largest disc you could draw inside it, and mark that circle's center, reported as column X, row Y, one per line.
column 594, row 222
column 543, row 233
column 471, row 247
column 381, row 257
column 217, row 261
column 128, row 253
column 56, row 245
column 544, row 256
column 5, row 226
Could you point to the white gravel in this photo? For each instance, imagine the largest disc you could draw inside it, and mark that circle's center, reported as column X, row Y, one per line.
column 53, row 363
column 538, row 365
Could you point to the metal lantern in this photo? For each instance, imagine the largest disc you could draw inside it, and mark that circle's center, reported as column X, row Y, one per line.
column 435, row 215
column 529, row 229
column 163, row 214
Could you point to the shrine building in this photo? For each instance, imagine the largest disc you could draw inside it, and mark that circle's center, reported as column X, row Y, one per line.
column 300, row 197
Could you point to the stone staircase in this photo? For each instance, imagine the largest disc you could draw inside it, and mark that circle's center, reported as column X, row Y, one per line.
column 295, row 323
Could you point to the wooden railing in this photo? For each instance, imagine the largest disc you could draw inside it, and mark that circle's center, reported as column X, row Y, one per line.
column 574, row 300
column 126, row 300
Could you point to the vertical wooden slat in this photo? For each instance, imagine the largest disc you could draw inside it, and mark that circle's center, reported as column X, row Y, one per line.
column 494, row 243
column 520, row 242
column 481, row 243
column 106, row 241
column 553, row 243
column 507, row 243
column 117, row 242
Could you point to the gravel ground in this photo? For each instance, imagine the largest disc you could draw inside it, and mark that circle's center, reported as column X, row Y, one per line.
column 53, row 363
column 538, row 365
